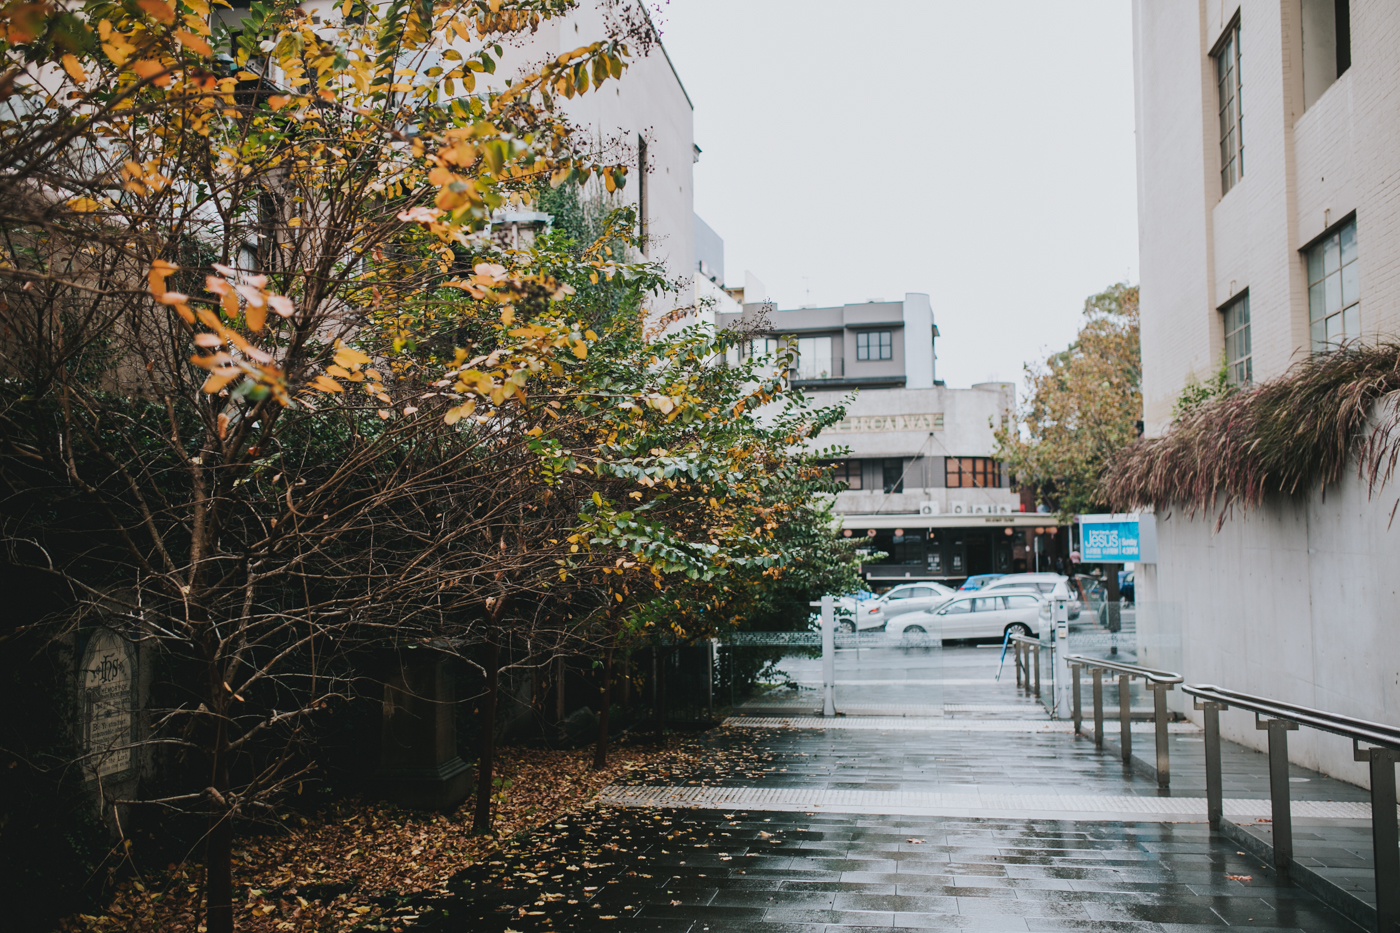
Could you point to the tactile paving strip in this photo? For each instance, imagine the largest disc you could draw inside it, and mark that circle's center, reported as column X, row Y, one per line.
column 925, row 803
column 900, row 724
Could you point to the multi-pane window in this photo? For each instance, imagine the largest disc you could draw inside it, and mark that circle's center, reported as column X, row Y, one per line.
column 874, row 345
column 814, row 360
column 1238, row 355
column 967, row 472
column 1227, row 82
column 848, row 472
column 892, row 474
column 1334, row 289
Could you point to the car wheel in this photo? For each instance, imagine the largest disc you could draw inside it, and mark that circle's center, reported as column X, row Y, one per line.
column 913, row 629
column 1018, row 628
column 847, row 627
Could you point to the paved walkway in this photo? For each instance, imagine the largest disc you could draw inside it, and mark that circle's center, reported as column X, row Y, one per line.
column 951, row 808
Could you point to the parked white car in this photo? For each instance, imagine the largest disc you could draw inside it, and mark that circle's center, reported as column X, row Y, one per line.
column 1042, row 583
column 903, row 599
column 977, row 614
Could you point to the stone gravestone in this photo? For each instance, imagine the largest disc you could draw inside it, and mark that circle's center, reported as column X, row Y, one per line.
column 108, row 690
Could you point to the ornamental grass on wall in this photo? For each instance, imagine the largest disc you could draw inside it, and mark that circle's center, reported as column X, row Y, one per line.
column 1287, row 435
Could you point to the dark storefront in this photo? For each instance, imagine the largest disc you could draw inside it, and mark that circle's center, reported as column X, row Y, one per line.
column 950, row 555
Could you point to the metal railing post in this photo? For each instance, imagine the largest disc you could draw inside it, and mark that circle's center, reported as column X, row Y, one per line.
column 1098, row 706
column 1282, row 812
column 1036, row 649
column 1159, row 718
column 1125, row 716
column 1215, row 792
column 1017, row 646
column 1077, row 713
column 1385, row 835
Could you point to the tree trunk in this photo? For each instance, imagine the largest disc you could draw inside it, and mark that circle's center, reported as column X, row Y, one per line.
column 600, row 754
column 661, row 690
column 484, row 768
column 218, row 857
column 560, row 671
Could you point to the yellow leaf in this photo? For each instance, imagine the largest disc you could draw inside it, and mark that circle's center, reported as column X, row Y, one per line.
column 256, row 317
column 348, row 357
column 597, row 499
column 193, row 42
column 337, row 371
column 159, row 10
column 507, row 316
column 278, row 101
column 75, row 71
column 326, row 384
column 294, row 222
column 149, row 68
column 215, row 382
column 580, row 350
column 85, row 205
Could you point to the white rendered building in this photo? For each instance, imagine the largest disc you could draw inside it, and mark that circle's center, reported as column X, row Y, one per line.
column 923, row 484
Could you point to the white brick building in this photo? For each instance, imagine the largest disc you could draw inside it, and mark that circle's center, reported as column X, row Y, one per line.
column 1269, row 213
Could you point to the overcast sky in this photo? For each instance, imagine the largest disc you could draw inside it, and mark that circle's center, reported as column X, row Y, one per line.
column 980, row 152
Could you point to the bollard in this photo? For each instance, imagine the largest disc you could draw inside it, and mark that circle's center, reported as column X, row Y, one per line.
column 1098, row 706
column 829, row 655
column 1125, row 716
column 1078, row 714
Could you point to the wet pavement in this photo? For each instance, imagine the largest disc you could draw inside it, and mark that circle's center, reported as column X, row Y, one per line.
column 931, row 815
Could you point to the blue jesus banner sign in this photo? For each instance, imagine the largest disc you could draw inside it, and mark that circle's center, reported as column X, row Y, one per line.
column 1116, row 539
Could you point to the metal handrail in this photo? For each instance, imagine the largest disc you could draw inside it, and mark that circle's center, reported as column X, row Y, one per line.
column 1025, row 644
column 1159, row 682
column 1280, row 718
column 1376, row 733
column 1147, row 673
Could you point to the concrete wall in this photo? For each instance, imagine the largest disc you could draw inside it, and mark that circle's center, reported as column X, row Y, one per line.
column 1295, row 601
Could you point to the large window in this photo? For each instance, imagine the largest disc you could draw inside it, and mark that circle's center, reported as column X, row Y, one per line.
column 968, row 472
column 1334, row 289
column 814, row 358
column 1227, row 82
column 848, row 472
column 1326, row 27
column 874, row 345
column 1238, row 355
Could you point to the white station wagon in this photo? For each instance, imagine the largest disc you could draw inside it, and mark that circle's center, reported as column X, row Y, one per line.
column 973, row 615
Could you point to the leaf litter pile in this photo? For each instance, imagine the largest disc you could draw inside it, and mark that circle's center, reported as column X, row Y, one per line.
column 362, row 864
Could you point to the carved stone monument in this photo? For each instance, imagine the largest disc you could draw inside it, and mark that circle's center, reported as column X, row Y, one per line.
column 108, row 679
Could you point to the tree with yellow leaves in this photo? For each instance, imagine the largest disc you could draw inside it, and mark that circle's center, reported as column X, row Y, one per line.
column 209, row 217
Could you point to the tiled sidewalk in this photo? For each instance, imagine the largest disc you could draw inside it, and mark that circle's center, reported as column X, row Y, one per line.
column 820, row 833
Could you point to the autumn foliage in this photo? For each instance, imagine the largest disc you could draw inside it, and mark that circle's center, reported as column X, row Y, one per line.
column 276, row 405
